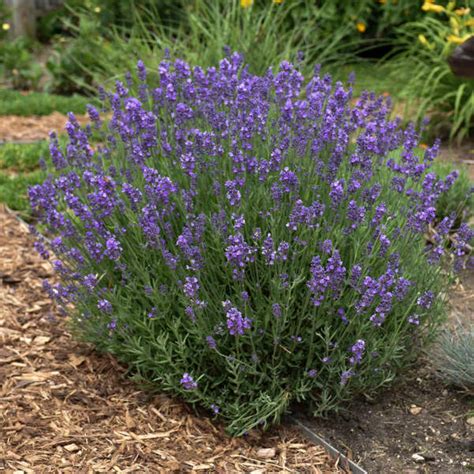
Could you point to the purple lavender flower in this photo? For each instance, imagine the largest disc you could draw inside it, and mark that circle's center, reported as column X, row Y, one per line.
column 191, row 287
column 232, row 193
column 357, row 352
column 276, row 310
column 113, row 248
column 289, row 180
column 141, row 70
column 337, row 192
column 104, row 305
column 326, row 246
column 211, row 342
column 268, row 251
column 238, row 252
column 312, row 373
column 414, row 319
column 346, row 375
column 188, row 382
column 189, row 311
column 90, row 282
column 425, row 300
column 236, row 323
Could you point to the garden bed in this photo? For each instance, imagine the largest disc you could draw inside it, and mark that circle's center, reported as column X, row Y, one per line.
column 64, row 408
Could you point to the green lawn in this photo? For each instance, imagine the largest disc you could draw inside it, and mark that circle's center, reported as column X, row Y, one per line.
column 40, row 103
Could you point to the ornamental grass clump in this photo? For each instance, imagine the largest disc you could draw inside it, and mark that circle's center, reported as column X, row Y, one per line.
column 247, row 241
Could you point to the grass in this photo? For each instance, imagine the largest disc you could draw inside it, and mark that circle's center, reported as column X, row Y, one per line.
column 369, row 76
column 39, row 103
column 14, row 189
column 19, row 168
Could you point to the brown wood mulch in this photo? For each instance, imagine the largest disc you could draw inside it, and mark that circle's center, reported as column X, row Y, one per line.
column 64, row 408
column 32, row 128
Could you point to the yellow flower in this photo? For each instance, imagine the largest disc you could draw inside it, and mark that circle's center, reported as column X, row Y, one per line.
column 361, row 27
column 455, row 39
column 422, row 39
column 462, row 11
column 97, row 9
column 278, row 2
column 430, row 7
column 246, row 3
column 6, row 26
column 469, row 22
column 383, row 2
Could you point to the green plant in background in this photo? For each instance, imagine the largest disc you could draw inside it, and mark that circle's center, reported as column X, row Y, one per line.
column 432, row 89
column 40, row 103
column 22, row 157
column 18, row 64
column 100, row 38
column 4, row 21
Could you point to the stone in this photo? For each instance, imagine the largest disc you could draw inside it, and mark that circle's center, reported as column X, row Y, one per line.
column 415, row 410
column 418, row 458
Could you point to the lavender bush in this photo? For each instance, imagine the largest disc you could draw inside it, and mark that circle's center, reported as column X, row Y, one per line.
column 247, row 241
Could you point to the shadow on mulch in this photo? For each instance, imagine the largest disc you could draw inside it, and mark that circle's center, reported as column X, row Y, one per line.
column 64, row 408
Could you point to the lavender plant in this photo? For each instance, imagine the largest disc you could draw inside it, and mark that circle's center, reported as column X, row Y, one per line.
column 247, row 241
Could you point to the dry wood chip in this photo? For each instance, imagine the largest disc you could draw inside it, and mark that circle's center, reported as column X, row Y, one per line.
column 71, row 447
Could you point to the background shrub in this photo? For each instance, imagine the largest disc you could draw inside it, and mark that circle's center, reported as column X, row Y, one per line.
column 436, row 92
column 246, row 241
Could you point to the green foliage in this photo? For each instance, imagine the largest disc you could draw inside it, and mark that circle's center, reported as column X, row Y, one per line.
column 24, row 157
column 4, row 21
column 459, row 199
column 454, row 356
column 431, row 88
column 19, row 169
column 103, row 38
column 18, row 65
column 37, row 103
column 14, row 189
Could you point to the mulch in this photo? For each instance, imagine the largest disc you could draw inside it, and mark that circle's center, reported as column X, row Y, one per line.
column 32, row 128
column 65, row 408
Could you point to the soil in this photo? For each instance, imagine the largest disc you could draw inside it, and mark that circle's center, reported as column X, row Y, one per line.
column 66, row 409
column 418, row 426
